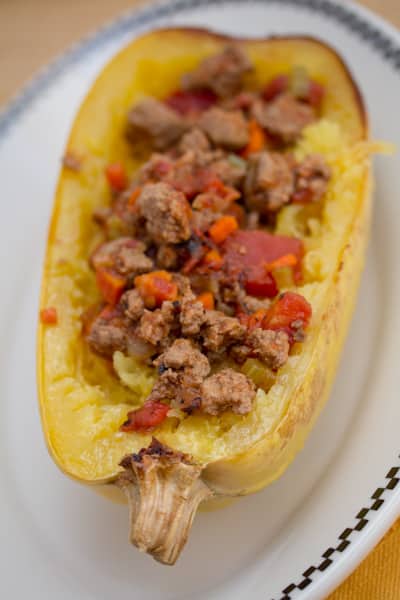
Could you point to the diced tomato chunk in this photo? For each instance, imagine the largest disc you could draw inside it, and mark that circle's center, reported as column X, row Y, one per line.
column 276, row 86
column 264, row 287
column 156, row 287
column 116, row 176
column 111, row 285
column 194, row 101
column 145, row 418
column 48, row 316
column 248, row 252
column 288, row 309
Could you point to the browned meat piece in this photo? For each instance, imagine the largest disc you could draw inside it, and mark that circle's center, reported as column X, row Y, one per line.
column 183, row 284
column 132, row 261
column 157, row 122
column 192, row 171
column 167, row 213
column 252, row 304
column 312, row 176
column 253, row 220
column 125, row 255
column 230, row 169
column 155, row 169
column 192, row 315
column 269, row 182
column 179, row 389
column 155, row 326
column 182, row 368
column 105, row 254
column 101, row 215
column 222, row 73
column 184, row 356
column 213, row 199
column 105, row 338
column 228, row 129
column 194, row 140
column 167, row 385
column 233, row 293
column 242, row 101
column 133, row 304
column 227, row 390
column 221, row 331
column 203, row 219
column 284, row 117
column 272, row 347
column 167, row 257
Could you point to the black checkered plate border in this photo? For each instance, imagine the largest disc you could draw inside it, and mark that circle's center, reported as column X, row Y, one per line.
column 344, row 540
column 384, row 44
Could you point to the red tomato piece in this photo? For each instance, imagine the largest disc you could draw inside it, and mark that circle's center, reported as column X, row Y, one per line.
column 248, row 252
column 289, row 308
column 155, row 287
column 116, row 176
column 194, row 101
column 145, row 418
column 276, row 86
column 264, row 287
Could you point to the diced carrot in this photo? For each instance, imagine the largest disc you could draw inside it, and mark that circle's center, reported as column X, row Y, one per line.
column 287, row 260
column 222, row 228
column 207, row 300
column 116, row 176
column 111, row 285
column 256, row 141
column 156, row 287
column 213, row 259
column 133, row 197
column 48, row 316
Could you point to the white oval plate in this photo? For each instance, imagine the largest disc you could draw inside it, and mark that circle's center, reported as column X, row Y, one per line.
column 301, row 536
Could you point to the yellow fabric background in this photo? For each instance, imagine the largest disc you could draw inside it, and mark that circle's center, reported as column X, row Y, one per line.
column 378, row 576
column 45, row 28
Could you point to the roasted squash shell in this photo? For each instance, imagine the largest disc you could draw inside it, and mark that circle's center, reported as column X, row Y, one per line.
column 81, row 401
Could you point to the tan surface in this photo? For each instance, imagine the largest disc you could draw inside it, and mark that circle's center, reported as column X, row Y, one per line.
column 32, row 32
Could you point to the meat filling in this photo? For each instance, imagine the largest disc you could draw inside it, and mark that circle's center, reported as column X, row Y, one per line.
column 190, row 268
column 223, row 73
column 227, row 390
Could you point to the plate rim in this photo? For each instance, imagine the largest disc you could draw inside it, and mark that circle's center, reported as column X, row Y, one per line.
column 384, row 39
